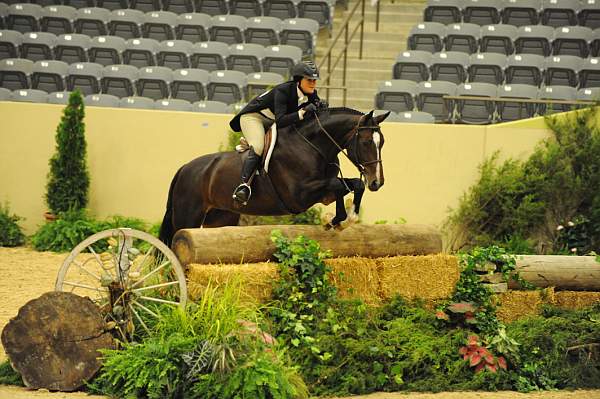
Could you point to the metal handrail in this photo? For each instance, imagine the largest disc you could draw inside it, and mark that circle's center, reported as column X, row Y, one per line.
column 519, row 100
column 344, row 52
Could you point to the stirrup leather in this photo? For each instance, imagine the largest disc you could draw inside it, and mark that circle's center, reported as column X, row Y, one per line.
column 238, row 188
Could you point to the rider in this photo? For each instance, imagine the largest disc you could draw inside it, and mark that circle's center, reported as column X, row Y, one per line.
column 284, row 104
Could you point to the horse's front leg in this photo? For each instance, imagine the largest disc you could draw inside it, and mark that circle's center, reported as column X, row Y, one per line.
column 358, row 188
column 339, row 189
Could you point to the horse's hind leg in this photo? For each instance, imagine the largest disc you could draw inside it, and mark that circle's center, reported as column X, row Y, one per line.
column 220, row 218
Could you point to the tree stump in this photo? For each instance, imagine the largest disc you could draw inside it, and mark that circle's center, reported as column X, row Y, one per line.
column 53, row 341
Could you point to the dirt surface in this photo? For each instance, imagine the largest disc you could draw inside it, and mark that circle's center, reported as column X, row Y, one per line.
column 27, row 274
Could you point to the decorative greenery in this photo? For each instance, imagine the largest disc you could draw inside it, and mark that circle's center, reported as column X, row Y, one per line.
column 11, row 234
column 520, row 203
column 8, row 376
column 68, row 179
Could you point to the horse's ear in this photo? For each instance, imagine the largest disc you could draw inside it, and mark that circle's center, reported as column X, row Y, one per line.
column 366, row 117
column 380, row 118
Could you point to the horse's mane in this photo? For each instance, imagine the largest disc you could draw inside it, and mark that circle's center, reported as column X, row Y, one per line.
column 344, row 110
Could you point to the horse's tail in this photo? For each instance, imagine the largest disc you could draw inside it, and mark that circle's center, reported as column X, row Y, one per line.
column 166, row 228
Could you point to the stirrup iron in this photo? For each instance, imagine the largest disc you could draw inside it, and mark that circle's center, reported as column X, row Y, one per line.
column 235, row 197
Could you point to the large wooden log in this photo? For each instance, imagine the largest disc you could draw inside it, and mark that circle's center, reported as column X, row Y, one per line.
column 253, row 243
column 576, row 273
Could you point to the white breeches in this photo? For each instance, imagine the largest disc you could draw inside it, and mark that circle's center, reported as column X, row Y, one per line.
column 253, row 128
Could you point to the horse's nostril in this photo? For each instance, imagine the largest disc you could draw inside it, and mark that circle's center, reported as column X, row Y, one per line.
column 374, row 186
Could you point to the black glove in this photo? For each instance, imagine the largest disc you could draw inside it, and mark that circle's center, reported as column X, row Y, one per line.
column 322, row 104
column 310, row 109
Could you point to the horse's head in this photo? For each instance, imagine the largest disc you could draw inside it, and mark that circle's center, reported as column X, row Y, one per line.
column 365, row 149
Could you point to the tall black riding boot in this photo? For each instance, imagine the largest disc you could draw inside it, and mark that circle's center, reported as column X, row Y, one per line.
column 243, row 192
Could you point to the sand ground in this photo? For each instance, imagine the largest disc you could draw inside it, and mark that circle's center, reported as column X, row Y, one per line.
column 26, row 274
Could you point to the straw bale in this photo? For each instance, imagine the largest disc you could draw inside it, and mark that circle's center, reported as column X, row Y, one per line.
column 427, row 277
column 575, row 300
column 359, row 278
column 518, row 304
column 256, row 279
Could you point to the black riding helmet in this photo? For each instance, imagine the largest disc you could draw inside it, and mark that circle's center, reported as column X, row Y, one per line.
column 305, row 69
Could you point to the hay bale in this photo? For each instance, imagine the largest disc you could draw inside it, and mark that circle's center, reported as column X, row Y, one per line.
column 426, row 277
column 256, row 279
column 575, row 300
column 356, row 278
column 514, row 305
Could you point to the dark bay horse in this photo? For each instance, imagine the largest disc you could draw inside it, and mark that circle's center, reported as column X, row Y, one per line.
column 303, row 171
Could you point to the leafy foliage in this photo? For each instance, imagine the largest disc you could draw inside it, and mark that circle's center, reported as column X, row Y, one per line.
column 68, row 179
column 8, row 376
column 519, row 204
column 11, row 234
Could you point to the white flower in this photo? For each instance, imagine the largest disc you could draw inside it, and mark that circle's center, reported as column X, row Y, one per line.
column 560, row 227
column 573, row 249
column 571, row 224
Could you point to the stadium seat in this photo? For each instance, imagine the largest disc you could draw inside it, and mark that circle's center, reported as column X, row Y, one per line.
column 159, row 25
column 511, row 111
column 101, row 100
column 154, row 82
column 29, row 96
column 430, row 99
column 462, row 37
column 80, row 3
column 589, row 14
column 263, row 30
column 84, row 76
column 15, row 73
column 212, row 7
column 107, row 50
column 226, row 86
column 595, row 45
column 482, row 12
column 136, row 102
column 521, row 12
column 119, row 80
column 525, row 69
column 589, row 94
column 179, row 6
column 318, row 10
column 174, row 54
column 559, row 13
column 562, row 70
column 92, row 21
column 235, row 108
column 72, row 47
column 427, row 36
column 589, row 74
column 396, row 95
column 146, row 5
column 450, row 66
column 281, row 59
column 556, row 93
column 38, row 46
column 474, row 112
column 112, row 5
column 189, row 84
column 49, row 75
column 228, row 29
column 498, row 39
column 572, row 40
column 534, row 39
column 58, row 19
column 10, row 43
column 213, row 107
column 173, row 104
column 300, row 32
column 193, row 27
column 413, row 117
column 3, row 14
column 126, row 23
column 245, row 8
column 443, row 11
column 246, row 58
column 59, row 97
column 281, row 9
column 5, row 94
column 412, row 65
column 24, row 17
column 209, row 55
column 487, row 68
column 140, row 52
column 260, row 82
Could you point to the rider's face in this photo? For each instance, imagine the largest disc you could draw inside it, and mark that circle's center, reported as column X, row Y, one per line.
column 308, row 86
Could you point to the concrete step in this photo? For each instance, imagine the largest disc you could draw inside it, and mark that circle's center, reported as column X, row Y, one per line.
column 367, row 83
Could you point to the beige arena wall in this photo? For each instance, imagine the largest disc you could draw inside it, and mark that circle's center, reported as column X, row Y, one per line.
column 133, row 154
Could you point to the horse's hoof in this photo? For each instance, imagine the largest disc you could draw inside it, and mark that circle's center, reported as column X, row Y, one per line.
column 339, row 227
column 327, row 226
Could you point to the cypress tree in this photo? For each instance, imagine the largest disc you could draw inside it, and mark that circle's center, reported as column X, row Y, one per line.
column 68, row 179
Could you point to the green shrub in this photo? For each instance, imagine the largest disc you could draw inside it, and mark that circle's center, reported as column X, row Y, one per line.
column 68, row 230
column 8, row 376
column 68, row 179
column 10, row 231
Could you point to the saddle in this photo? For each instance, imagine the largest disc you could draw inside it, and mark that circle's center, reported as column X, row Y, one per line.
column 270, row 140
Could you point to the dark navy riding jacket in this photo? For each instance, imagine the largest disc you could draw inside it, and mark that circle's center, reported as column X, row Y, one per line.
column 282, row 100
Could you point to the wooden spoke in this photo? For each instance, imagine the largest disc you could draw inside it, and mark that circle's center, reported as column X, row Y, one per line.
column 139, row 318
column 145, row 308
column 167, row 262
column 148, row 298
column 151, row 287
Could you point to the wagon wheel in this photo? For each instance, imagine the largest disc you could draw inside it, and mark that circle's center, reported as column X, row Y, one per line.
column 129, row 274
